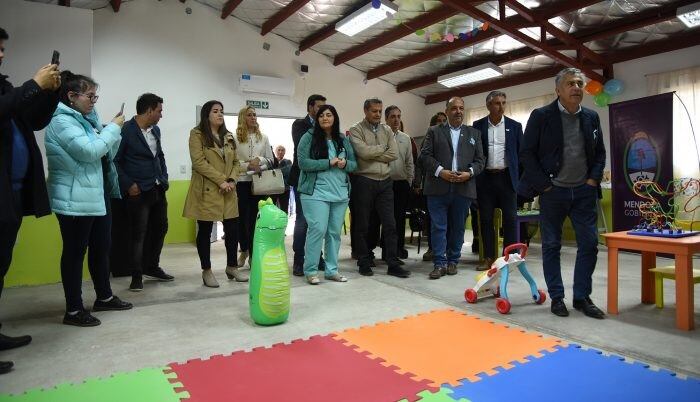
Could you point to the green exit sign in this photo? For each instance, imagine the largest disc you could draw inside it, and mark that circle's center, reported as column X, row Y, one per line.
column 258, row 104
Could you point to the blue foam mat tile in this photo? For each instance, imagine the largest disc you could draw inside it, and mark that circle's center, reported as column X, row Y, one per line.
column 577, row 375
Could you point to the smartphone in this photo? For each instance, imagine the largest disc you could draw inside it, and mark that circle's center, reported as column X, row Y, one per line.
column 121, row 111
column 55, row 57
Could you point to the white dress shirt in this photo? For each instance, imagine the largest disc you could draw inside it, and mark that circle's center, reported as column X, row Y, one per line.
column 454, row 134
column 497, row 145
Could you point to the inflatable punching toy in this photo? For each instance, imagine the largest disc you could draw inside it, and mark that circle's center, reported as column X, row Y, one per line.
column 269, row 272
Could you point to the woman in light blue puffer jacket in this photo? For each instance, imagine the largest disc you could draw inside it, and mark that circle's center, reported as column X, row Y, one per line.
column 82, row 179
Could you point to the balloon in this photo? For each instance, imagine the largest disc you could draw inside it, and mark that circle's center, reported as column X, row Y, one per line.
column 376, row 3
column 462, row 36
column 420, row 32
column 614, row 87
column 450, row 37
column 485, row 26
column 593, row 87
column 602, row 99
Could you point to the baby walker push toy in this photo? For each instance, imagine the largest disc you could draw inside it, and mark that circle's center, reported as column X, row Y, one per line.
column 495, row 280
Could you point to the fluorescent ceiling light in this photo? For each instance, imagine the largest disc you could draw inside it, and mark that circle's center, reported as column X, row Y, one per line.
column 474, row 74
column 365, row 17
column 690, row 14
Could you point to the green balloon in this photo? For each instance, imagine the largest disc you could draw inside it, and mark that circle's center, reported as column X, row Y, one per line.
column 602, row 99
column 269, row 272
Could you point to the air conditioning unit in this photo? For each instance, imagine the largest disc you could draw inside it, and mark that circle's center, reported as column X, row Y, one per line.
column 261, row 84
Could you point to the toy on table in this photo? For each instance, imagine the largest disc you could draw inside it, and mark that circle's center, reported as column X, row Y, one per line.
column 495, row 280
column 269, row 272
column 659, row 220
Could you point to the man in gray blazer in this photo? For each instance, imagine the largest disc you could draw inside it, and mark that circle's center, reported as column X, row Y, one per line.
column 451, row 156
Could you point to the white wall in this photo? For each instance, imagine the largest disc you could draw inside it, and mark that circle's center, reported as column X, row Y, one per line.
column 189, row 59
column 36, row 30
column 632, row 73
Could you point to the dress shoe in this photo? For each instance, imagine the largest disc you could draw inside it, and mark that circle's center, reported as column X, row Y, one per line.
column 397, row 271
column 242, row 257
column 235, row 273
column 209, row 279
column 437, row 273
column 158, row 274
column 366, row 271
column 136, row 283
column 298, row 270
column 486, row 265
column 396, row 262
column 403, row 253
column 451, row 269
column 81, row 319
column 559, row 308
column 6, row 367
column 114, row 304
column 11, row 342
column 588, row 308
column 428, row 255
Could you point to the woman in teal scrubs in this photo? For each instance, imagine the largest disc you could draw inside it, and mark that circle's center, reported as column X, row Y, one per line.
column 325, row 159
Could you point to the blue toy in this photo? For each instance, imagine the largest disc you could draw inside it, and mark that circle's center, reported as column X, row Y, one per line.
column 495, row 280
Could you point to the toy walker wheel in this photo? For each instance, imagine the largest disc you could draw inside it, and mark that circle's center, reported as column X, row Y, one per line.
column 502, row 305
column 470, row 295
column 542, row 298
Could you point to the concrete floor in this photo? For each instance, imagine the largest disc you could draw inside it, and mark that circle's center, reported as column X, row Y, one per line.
column 181, row 320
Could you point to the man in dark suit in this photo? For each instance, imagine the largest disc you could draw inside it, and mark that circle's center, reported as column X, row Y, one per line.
column 143, row 179
column 451, row 156
column 496, row 187
column 22, row 182
column 299, row 127
column 563, row 155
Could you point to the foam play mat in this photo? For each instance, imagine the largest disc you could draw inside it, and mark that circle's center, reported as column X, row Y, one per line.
column 436, row 356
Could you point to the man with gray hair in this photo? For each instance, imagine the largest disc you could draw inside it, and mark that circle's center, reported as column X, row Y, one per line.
column 451, row 156
column 563, row 155
column 375, row 148
column 495, row 188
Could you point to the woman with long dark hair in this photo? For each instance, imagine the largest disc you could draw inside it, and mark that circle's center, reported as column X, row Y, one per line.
column 82, row 179
column 325, row 159
column 254, row 153
column 212, row 193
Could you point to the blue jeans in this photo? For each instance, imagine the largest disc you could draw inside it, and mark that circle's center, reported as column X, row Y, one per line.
column 446, row 210
column 579, row 204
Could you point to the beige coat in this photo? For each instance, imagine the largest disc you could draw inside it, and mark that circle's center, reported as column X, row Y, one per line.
column 209, row 169
column 373, row 150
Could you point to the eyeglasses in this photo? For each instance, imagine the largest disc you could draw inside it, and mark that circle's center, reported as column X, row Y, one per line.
column 93, row 98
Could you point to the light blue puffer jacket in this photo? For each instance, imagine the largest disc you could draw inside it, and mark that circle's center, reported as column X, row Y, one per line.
column 74, row 150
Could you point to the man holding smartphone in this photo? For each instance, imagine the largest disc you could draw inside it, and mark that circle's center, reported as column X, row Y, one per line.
column 23, row 110
column 451, row 156
column 143, row 179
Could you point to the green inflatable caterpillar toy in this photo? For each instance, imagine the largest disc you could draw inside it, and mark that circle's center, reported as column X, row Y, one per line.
column 269, row 272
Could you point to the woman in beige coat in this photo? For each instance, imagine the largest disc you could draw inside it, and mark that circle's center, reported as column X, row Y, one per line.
column 212, row 193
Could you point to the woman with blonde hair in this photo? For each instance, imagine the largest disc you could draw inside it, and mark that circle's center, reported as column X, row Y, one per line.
column 254, row 154
column 212, row 196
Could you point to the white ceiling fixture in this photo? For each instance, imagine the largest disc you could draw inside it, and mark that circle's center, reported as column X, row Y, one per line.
column 365, row 17
column 690, row 14
column 470, row 75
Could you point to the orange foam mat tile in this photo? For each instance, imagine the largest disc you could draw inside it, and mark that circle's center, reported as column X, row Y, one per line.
column 446, row 346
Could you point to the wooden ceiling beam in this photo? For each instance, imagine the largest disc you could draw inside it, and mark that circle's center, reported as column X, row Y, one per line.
column 447, row 48
column 506, row 28
column 115, row 5
column 675, row 42
column 281, row 15
column 228, row 8
column 64, row 3
column 495, row 84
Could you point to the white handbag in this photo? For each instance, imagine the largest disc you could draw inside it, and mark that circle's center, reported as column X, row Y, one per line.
column 268, row 182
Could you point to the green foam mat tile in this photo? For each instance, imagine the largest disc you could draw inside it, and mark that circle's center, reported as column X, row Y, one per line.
column 147, row 385
column 443, row 395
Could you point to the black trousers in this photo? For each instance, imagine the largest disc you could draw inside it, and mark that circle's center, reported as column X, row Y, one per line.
column 8, row 237
column 231, row 230
column 402, row 191
column 282, row 201
column 495, row 190
column 373, row 195
column 148, row 222
column 247, row 214
column 81, row 234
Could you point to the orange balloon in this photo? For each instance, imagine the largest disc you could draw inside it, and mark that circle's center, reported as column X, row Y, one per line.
column 593, row 87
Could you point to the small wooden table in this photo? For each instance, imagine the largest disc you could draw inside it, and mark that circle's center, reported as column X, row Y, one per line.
column 683, row 250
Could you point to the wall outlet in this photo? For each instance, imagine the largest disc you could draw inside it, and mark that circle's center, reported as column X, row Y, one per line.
column 183, row 169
